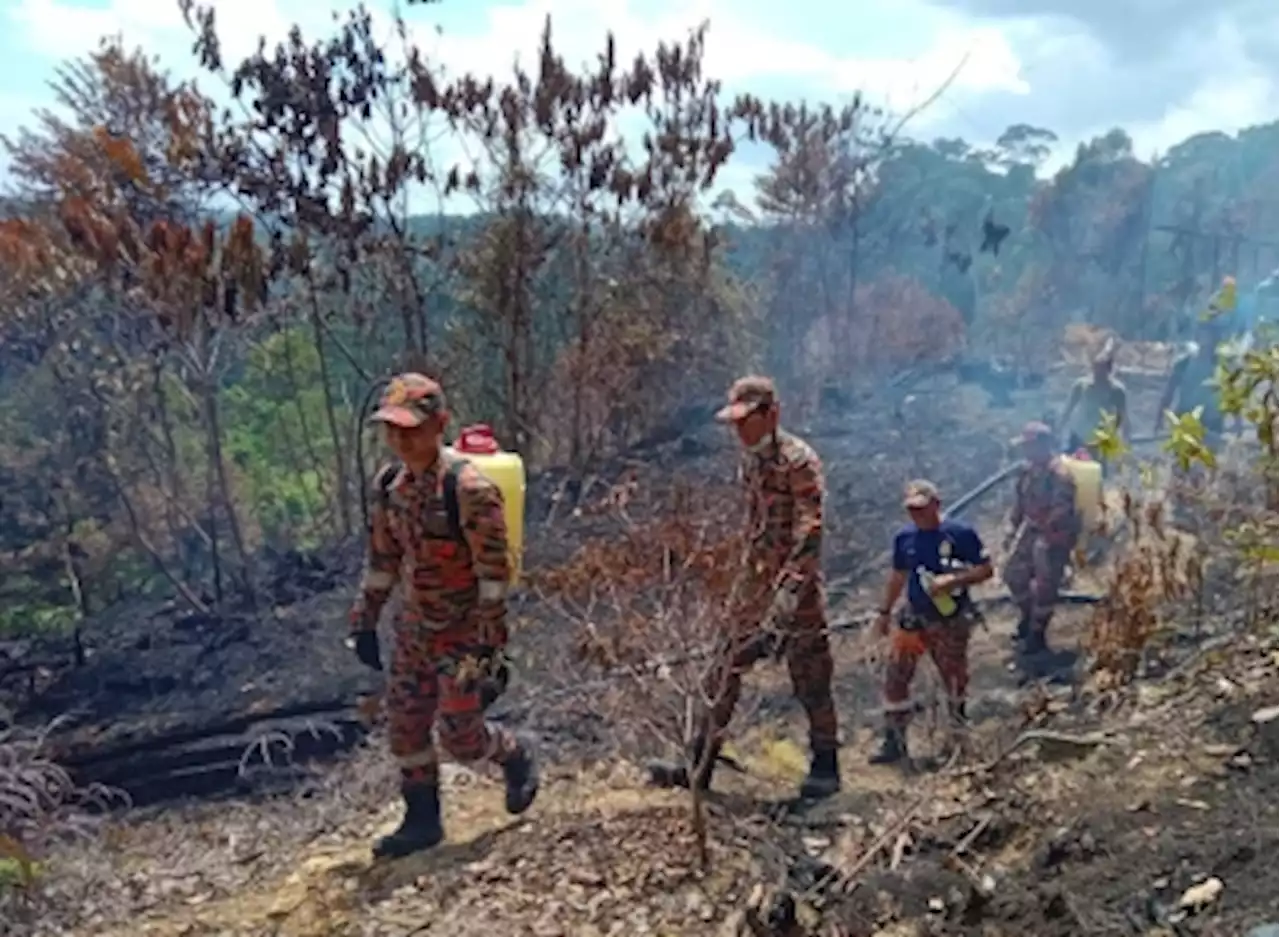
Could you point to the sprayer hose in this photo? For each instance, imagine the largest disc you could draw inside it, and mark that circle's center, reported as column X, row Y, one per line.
column 362, row 415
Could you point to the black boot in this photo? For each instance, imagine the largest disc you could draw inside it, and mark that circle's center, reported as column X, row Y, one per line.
column 1023, row 628
column 676, row 774
column 893, row 748
column 420, row 829
column 1037, row 660
column 823, row 779
column 1034, row 644
column 521, row 773
column 958, row 715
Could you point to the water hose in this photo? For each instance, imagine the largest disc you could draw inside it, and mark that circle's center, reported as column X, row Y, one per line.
column 1008, row 472
column 970, row 497
column 362, row 415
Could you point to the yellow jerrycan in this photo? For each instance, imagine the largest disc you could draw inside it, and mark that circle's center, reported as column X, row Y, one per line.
column 506, row 470
column 1088, row 477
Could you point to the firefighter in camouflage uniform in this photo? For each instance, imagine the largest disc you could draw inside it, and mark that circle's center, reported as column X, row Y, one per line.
column 1044, row 527
column 437, row 529
column 784, row 615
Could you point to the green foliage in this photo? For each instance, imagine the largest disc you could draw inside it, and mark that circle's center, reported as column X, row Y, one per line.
column 17, row 872
column 31, row 611
column 1107, row 438
column 277, row 436
column 1186, row 442
column 1247, row 389
column 1256, row 543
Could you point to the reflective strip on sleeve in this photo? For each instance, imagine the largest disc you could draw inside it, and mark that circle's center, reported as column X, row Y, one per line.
column 492, row 590
column 422, row 759
column 376, row 580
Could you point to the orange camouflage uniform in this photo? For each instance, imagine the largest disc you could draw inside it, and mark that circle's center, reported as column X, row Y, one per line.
column 1044, row 513
column 454, row 608
column 785, row 491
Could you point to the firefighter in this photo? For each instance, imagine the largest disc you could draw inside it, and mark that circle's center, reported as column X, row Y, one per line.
column 785, row 612
column 1044, row 527
column 437, row 526
column 1091, row 397
column 935, row 562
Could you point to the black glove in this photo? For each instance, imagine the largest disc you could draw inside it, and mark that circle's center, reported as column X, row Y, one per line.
column 367, row 651
column 768, row 643
column 494, row 683
column 776, row 644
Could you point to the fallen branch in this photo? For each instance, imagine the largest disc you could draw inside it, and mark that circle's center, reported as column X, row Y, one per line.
column 1092, row 740
column 846, row 877
column 963, row 846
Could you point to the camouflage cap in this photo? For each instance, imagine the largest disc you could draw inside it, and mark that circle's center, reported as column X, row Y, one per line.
column 746, row 396
column 920, row 493
column 409, row 400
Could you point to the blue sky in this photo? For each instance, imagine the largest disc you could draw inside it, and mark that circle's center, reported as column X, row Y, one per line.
column 1163, row 69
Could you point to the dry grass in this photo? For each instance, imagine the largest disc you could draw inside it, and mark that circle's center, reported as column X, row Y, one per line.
column 39, row 802
column 45, row 819
column 1157, row 568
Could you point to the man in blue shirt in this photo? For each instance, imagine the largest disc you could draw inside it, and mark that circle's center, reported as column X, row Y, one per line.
column 935, row 561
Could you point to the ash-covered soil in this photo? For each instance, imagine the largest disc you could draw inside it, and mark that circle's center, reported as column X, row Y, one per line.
column 1079, row 812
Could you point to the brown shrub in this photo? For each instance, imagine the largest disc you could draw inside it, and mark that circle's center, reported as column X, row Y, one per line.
column 654, row 609
column 895, row 322
column 1157, row 568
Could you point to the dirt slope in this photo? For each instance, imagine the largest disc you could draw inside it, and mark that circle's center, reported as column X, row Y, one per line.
column 1095, row 826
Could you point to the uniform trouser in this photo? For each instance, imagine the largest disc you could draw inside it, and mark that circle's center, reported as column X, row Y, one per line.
column 1034, row 573
column 424, row 695
column 808, row 656
column 948, row 644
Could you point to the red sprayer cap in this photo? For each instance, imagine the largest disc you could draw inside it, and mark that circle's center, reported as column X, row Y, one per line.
column 477, row 440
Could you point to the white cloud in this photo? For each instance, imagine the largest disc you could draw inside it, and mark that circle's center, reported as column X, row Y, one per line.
column 745, row 55
column 1235, row 92
column 742, row 54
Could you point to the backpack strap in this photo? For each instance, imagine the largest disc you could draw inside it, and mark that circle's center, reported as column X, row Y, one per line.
column 385, row 478
column 452, row 508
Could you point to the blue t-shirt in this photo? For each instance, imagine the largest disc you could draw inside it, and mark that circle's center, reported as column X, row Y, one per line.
column 950, row 547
